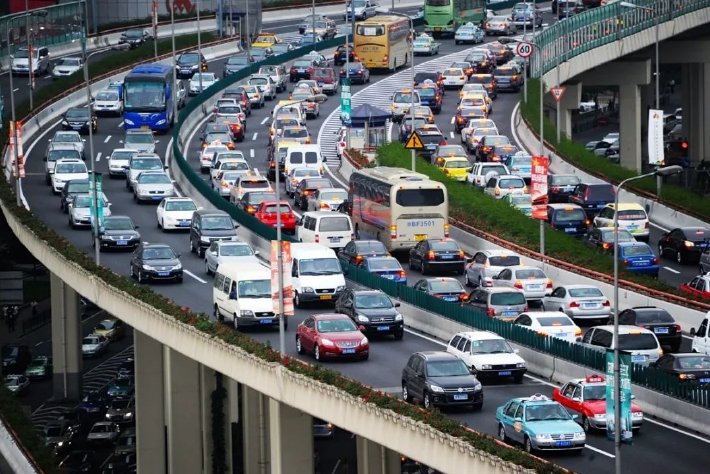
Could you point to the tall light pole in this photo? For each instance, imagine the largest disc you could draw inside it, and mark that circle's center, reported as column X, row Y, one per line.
column 172, row 35
column 28, row 36
column 660, row 172
column 313, row 23
column 199, row 44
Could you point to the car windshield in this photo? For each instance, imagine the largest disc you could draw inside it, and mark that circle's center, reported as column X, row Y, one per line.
column 587, row 292
column 637, row 341
column 570, row 215
column 206, row 77
column 139, row 138
column 547, row 411
column 154, row 178
column 236, row 250
column 402, row 97
column 146, row 164
column 520, row 199
column 503, row 260
column 295, row 133
column 636, row 251
column 107, row 96
column 529, row 273
column 70, row 168
column 482, row 79
column 235, row 165
column 693, row 362
column 118, row 223
column 217, row 223
column 78, row 114
column 512, row 298
column 446, row 286
column 189, row 59
column 254, row 289
column 373, row 301
column 521, row 161
column 258, row 198
column 547, row 321
column 305, row 173
column 624, row 236
column 319, row 266
column 145, row 95
column 257, row 81
column 334, row 224
column 561, row 180
column 490, row 346
column 90, row 340
column 158, row 253
column 335, row 325
column 420, row 197
column 133, row 34
column 119, row 404
column 446, row 368
column 380, row 264
column 444, row 245
column 594, row 392
column 180, row 206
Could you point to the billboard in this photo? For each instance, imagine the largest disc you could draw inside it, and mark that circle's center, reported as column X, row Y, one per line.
column 538, row 186
column 655, row 137
column 624, row 396
column 286, row 270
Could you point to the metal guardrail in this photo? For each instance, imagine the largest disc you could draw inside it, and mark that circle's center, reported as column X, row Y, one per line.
column 600, row 26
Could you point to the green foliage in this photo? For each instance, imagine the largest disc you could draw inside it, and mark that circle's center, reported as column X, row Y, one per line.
column 575, row 153
column 494, row 216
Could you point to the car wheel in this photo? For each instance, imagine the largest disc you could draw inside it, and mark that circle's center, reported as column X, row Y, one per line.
column 192, row 247
column 316, row 353
column 518, row 379
column 235, row 321
column 141, row 278
column 679, row 257
column 207, row 268
column 423, row 268
column 299, row 346
column 131, row 274
column 427, row 401
column 585, row 424
column 399, row 335
column 660, row 250
column 466, row 281
column 216, row 314
column 200, row 252
column 501, row 433
column 528, row 445
column 480, row 282
column 297, row 300
column 405, row 394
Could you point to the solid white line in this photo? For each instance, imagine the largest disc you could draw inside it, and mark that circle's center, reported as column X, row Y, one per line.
column 266, row 119
column 452, row 134
column 98, row 156
column 189, row 273
column 659, row 227
column 16, row 89
column 251, row 153
column 452, row 120
column 253, row 137
column 120, row 124
column 107, row 139
column 673, row 270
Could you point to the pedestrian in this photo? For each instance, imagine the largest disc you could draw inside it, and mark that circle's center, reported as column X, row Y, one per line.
column 671, row 86
column 11, row 321
column 33, row 305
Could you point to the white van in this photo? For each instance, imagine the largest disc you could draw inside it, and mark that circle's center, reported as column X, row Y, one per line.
column 241, row 293
column 316, row 274
column 303, row 156
column 331, row 229
column 701, row 336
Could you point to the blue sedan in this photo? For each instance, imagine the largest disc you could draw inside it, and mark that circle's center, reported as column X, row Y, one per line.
column 358, row 73
column 469, row 33
column 386, row 267
column 638, row 257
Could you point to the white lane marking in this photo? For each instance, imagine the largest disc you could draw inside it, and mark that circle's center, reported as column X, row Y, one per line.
column 190, row 274
column 15, row 90
column 253, row 137
column 120, row 124
column 107, row 139
column 673, row 270
column 98, row 156
column 266, row 119
column 451, row 134
column 251, row 153
column 452, row 120
column 659, row 227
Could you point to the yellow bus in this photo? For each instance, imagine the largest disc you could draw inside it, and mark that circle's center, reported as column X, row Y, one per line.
column 381, row 42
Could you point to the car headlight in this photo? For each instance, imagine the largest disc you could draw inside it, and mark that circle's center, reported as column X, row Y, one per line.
column 58, row 181
column 108, row 416
column 362, row 319
column 637, row 414
column 436, row 388
column 246, row 313
column 177, row 267
column 204, row 239
column 580, row 436
column 148, row 267
column 129, row 122
column 520, row 365
column 128, row 415
column 307, row 289
column 60, row 444
column 160, row 122
column 486, row 366
column 327, row 342
column 364, row 341
column 340, row 288
column 478, row 387
column 64, row 122
column 398, row 317
column 600, row 416
column 543, row 437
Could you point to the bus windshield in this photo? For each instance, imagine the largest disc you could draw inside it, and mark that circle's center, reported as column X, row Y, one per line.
column 438, row 3
column 144, row 95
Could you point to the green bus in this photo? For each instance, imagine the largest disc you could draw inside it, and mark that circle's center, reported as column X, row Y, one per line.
column 445, row 16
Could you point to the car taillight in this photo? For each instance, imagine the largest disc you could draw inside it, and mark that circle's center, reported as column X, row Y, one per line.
column 497, row 191
column 358, row 259
column 606, row 303
column 393, row 231
column 626, row 263
column 574, row 304
column 677, row 328
column 655, row 260
column 646, row 225
column 491, row 312
column 461, row 254
column 518, row 284
column 549, row 283
column 352, row 236
column 403, row 274
column 463, row 297
column 430, row 255
column 272, row 164
column 341, row 144
column 486, row 148
column 251, row 209
column 446, row 230
column 306, row 192
column 324, row 205
column 317, row 238
column 308, row 140
column 525, row 308
column 578, row 332
column 224, row 184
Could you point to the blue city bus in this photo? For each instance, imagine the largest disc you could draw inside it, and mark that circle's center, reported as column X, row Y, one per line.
column 148, row 97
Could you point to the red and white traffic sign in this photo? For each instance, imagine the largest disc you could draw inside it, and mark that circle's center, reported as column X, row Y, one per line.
column 524, row 50
column 558, row 92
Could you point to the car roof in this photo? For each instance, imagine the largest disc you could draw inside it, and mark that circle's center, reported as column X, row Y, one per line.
column 323, row 316
column 547, row 314
column 627, row 206
column 500, row 289
column 498, row 252
column 323, row 214
column 625, row 329
column 437, row 355
column 480, row 335
column 565, row 206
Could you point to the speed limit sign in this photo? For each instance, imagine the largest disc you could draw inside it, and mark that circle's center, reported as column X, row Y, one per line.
column 524, row 50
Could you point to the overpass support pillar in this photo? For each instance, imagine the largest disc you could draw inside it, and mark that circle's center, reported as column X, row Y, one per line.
column 373, row 458
column 66, row 340
column 291, row 439
column 150, row 405
column 183, row 413
column 630, row 126
column 253, row 415
column 208, row 384
column 696, row 109
column 569, row 102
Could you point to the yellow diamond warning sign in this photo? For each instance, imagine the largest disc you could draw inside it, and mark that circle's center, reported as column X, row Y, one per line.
column 414, row 142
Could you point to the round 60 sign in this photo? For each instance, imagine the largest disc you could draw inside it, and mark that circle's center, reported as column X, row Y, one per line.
column 524, row 50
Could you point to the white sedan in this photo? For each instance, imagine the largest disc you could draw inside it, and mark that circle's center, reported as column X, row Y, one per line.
column 454, row 77
column 153, row 186
column 550, row 323
column 119, row 160
column 107, row 102
column 67, row 66
column 208, row 79
column 175, row 213
column 425, row 44
column 16, row 383
column 531, row 280
column 103, row 432
column 578, row 302
column 94, row 345
column 232, row 251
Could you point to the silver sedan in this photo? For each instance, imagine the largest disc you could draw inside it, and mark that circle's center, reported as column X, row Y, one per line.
column 223, row 251
column 578, row 302
column 531, row 280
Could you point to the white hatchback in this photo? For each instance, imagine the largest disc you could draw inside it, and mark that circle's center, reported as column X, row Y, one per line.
column 454, row 77
column 67, row 169
column 550, row 323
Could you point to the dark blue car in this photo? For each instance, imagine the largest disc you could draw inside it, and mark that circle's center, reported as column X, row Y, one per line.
column 569, row 218
column 120, row 388
column 386, row 267
column 638, row 257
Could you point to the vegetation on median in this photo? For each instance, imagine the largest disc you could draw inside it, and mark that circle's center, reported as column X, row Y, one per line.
column 575, row 153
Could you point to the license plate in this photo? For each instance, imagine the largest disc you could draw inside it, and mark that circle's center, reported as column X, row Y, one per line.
column 534, row 287
column 570, row 230
column 704, row 380
column 446, row 257
column 326, row 297
column 383, row 328
column 600, row 205
column 450, row 298
column 266, row 321
column 155, row 198
column 504, row 373
column 563, row 444
column 348, row 351
column 389, row 277
column 660, row 330
column 183, row 224
column 638, row 358
column 460, row 396
column 438, row 28
column 163, row 274
column 509, row 313
column 419, row 237
column 561, row 334
column 122, row 242
column 589, row 305
column 334, row 239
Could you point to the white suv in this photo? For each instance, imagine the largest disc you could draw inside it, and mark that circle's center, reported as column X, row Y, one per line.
column 67, row 169
column 488, row 355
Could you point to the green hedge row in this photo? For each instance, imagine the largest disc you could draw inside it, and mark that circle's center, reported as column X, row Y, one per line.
column 575, row 153
column 469, row 205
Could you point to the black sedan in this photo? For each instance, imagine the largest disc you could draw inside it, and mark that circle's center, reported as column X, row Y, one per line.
column 156, row 262
column 602, row 238
column 358, row 73
column 657, row 320
column 433, row 255
column 135, row 37
column 356, row 250
column 686, row 243
column 237, row 63
column 690, row 367
column 373, row 310
column 560, row 186
column 79, row 119
column 445, row 288
column 119, row 232
column 339, row 55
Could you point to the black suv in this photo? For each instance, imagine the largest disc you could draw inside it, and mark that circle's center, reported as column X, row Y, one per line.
column 592, row 197
column 440, row 379
column 15, row 358
column 373, row 310
column 189, row 63
column 306, row 187
column 657, row 320
column 208, row 226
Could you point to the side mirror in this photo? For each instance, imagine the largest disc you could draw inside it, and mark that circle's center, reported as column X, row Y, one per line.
column 469, row 260
column 137, row 227
column 516, row 351
column 232, row 296
column 178, row 255
column 575, row 416
column 579, row 339
column 397, row 304
column 361, row 328
column 692, row 332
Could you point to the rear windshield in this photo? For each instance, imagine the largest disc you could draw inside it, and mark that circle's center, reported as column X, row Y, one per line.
column 554, row 321
column 249, row 184
column 637, row 251
column 632, row 215
column 511, row 183
column 570, row 215
column 694, row 362
column 431, row 138
column 564, row 180
column 284, row 208
column 493, row 169
column 635, row 342
column 498, row 140
column 504, row 261
column 590, row 292
column 444, row 245
column 506, row 72
column 384, row 264
column 529, row 273
column 646, row 317
column 600, row 193
column 697, row 234
column 334, row 224
column 507, row 299
column 443, row 286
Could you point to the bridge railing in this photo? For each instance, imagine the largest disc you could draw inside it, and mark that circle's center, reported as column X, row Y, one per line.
column 588, row 30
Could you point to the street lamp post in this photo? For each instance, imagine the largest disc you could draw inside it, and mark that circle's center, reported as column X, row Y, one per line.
column 172, row 35
column 660, row 172
column 199, row 44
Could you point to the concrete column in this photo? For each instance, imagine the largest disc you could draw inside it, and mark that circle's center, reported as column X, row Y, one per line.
column 291, row 439
column 208, row 384
column 254, row 421
column 373, row 458
column 66, row 340
column 232, row 419
column 150, row 404
column 183, row 413
column 569, row 102
column 696, row 116
column 630, row 126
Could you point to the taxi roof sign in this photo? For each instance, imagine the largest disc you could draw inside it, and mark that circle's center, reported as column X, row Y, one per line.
column 414, row 142
column 595, row 379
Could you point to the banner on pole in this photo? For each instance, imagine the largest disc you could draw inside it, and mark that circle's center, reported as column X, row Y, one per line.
column 655, row 137
column 624, row 396
column 20, row 151
column 287, row 283
column 345, row 105
column 538, row 186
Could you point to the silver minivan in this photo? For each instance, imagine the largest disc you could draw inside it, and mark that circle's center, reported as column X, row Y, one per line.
column 500, row 303
column 641, row 343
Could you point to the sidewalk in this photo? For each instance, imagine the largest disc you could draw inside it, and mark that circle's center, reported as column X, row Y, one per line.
column 26, row 321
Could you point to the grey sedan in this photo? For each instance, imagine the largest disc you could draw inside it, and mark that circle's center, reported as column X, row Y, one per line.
column 578, row 302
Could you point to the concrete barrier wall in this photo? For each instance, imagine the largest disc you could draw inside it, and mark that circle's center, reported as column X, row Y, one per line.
column 13, row 454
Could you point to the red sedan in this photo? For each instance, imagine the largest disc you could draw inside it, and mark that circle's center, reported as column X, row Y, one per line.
column 267, row 213
column 331, row 336
column 698, row 286
column 588, row 398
